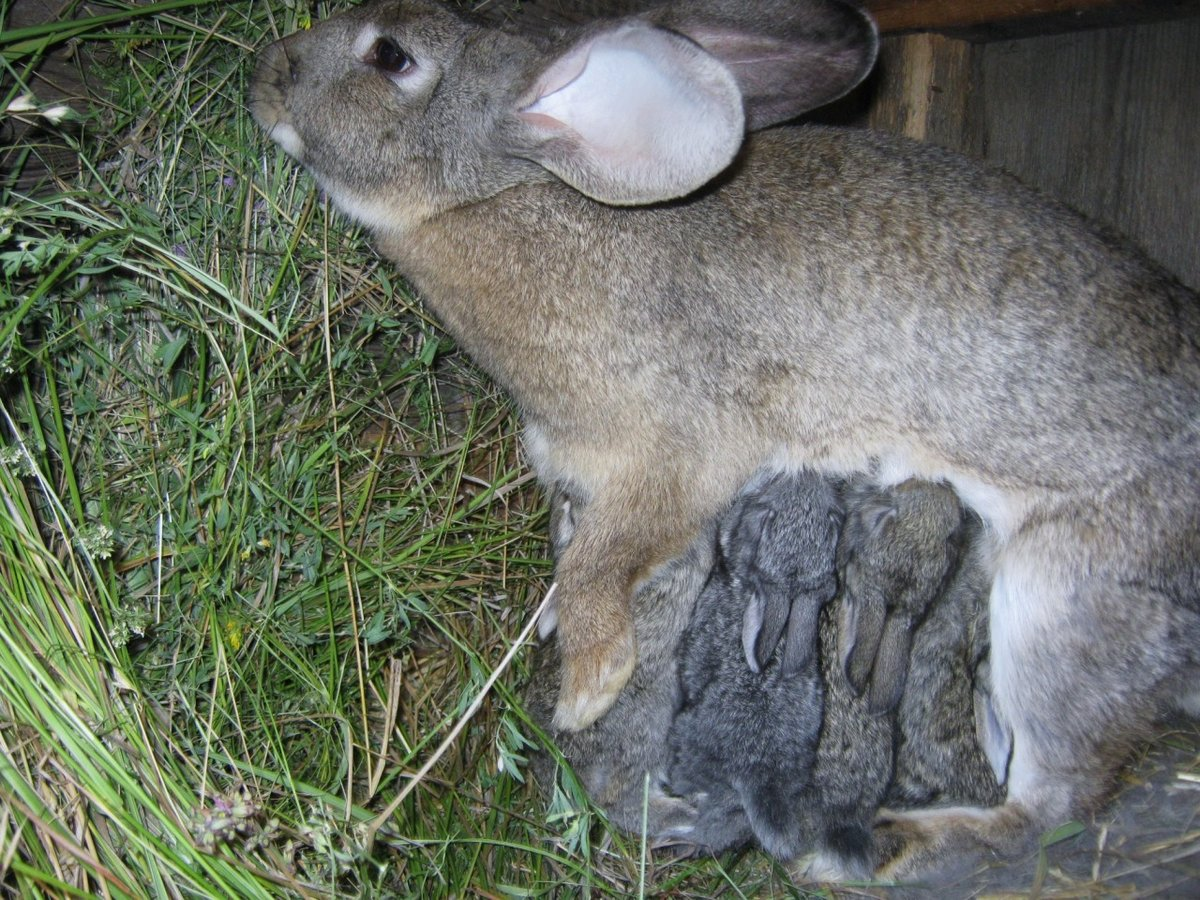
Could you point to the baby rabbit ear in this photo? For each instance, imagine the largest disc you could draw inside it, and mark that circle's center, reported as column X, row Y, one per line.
column 860, row 629
column 762, row 627
column 788, row 56
column 890, row 672
column 634, row 114
column 991, row 729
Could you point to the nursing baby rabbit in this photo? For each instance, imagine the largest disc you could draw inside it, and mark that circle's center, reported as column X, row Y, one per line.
column 676, row 295
column 788, row 755
column 743, row 745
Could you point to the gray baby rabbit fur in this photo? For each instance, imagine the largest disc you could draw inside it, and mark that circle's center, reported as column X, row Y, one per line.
column 810, row 778
column 789, row 757
column 898, row 546
column 675, row 298
column 744, row 744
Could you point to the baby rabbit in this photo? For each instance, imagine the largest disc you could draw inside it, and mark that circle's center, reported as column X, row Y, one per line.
column 898, row 547
column 745, row 741
column 949, row 745
column 616, row 755
column 779, row 537
column 674, row 303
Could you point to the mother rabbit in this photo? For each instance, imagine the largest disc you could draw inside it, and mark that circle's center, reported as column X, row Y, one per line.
column 673, row 304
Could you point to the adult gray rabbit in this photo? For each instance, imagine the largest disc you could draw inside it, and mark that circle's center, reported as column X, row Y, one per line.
column 673, row 304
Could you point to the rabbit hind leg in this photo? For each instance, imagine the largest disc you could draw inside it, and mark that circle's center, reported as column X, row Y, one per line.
column 1080, row 668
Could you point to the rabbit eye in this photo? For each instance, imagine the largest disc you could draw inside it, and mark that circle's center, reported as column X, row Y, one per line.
column 388, row 56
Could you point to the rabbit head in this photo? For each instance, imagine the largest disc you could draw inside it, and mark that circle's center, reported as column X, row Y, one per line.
column 405, row 109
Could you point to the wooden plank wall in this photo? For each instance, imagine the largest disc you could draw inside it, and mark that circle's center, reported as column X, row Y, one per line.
column 1107, row 120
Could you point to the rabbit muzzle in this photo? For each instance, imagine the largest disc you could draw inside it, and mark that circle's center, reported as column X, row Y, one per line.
column 274, row 75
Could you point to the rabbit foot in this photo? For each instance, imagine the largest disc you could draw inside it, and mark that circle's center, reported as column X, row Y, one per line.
column 671, row 820
column 935, row 846
column 816, row 868
column 592, row 679
column 845, row 855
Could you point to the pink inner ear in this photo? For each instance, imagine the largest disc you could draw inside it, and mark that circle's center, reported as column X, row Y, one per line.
column 559, row 75
column 643, row 114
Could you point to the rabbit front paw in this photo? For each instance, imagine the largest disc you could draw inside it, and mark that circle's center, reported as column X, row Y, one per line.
column 593, row 676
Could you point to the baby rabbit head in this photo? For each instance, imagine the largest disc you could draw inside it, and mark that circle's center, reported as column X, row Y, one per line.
column 404, row 109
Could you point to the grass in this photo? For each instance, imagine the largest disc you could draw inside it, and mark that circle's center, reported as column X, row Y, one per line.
column 266, row 533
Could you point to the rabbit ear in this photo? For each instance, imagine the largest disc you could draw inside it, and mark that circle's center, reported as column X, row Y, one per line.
column 890, row 671
column 788, row 57
column 800, row 647
column 767, row 612
column 762, row 627
column 860, row 629
column 634, row 114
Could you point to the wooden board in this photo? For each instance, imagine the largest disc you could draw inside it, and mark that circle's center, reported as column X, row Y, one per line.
column 991, row 19
column 1107, row 121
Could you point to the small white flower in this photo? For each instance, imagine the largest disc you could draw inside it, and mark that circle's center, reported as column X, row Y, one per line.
column 23, row 103
column 96, row 540
column 56, row 114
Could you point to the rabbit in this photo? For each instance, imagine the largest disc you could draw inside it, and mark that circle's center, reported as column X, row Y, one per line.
column 744, row 741
column 949, row 745
column 621, row 758
column 676, row 294
column 897, row 547
column 780, row 535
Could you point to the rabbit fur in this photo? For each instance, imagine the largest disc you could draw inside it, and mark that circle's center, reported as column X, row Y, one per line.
column 676, row 295
column 743, row 745
column 795, row 761
column 621, row 758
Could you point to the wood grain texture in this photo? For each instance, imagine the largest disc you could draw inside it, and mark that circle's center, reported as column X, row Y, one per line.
column 923, row 89
column 1105, row 120
column 987, row 19
column 1108, row 121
